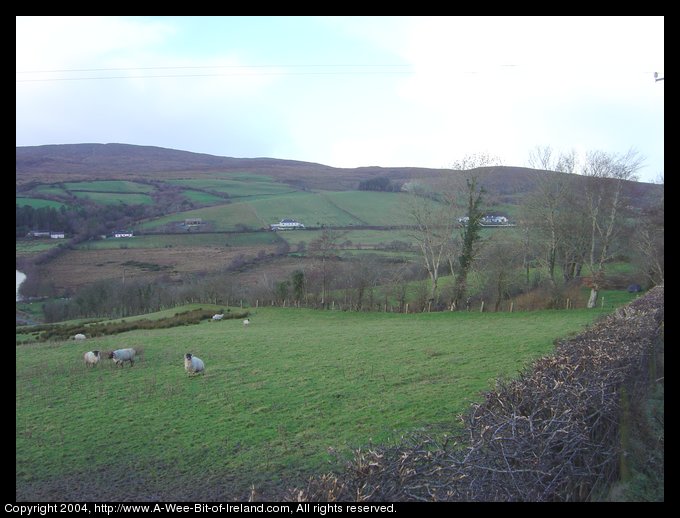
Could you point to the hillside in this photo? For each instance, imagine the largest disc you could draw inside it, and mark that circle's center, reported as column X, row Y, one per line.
column 73, row 162
column 153, row 191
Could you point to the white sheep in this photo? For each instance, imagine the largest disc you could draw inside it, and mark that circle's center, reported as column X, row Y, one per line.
column 193, row 364
column 91, row 358
column 218, row 317
column 246, row 322
column 79, row 336
column 120, row 356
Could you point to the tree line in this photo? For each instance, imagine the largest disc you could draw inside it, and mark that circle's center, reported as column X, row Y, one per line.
column 577, row 220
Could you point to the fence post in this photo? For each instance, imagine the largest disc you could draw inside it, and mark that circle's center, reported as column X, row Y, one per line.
column 481, row 309
column 602, row 303
column 511, row 306
column 407, row 307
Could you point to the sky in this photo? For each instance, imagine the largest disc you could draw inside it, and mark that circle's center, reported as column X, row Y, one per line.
column 346, row 91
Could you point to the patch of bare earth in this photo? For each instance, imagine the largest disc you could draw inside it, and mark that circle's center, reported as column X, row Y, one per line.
column 74, row 269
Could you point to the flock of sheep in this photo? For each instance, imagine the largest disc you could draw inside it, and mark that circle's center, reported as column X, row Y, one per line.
column 192, row 364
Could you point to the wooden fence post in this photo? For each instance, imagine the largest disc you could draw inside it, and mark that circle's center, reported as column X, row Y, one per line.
column 481, row 309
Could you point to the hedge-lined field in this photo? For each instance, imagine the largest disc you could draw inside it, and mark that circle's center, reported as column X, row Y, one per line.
column 277, row 400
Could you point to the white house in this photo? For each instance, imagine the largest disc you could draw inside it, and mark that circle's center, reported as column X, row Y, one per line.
column 287, row 224
column 122, row 233
column 57, row 235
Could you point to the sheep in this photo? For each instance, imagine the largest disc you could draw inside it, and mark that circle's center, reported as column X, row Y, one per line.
column 91, row 358
column 193, row 364
column 79, row 336
column 218, row 317
column 120, row 356
column 246, row 322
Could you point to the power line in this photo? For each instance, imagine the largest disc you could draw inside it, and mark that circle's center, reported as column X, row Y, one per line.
column 201, row 75
column 207, row 66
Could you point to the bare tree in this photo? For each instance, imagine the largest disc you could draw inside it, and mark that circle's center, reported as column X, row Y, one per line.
column 649, row 241
column 500, row 259
column 325, row 249
column 604, row 200
column 433, row 224
column 546, row 210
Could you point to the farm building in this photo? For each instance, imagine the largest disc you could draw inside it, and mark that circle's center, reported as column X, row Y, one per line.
column 38, row 233
column 190, row 222
column 495, row 220
column 57, row 235
column 122, row 233
column 287, row 224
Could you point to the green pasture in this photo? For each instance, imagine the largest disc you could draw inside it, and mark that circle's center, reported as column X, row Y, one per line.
column 38, row 203
column 372, row 208
column 119, row 186
column 235, row 188
column 112, row 198
column 221, row 217
column 183, row 240
column 36, row 246
column 48, row 189
column 201, row 197
column 276, row 399
column 313, row 209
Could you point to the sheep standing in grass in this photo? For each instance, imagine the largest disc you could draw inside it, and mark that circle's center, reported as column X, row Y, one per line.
column 193, row 364
column 79, row 336
column 218, row 316
column 91, row 358
column 120, row 356
column 246, row 322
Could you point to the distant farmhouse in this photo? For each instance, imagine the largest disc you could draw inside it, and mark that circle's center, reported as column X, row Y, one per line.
column 489, row 221
column 44, row 233
column 122, row 233
column 287, row 224
column 193, row 222
column 494, row 220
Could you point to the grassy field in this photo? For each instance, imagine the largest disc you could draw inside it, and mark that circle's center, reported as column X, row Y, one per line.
column 35, row 246
column 111, row 198
column 184, row 240
column 276, row 399
column 38, row 203
column 120, row 186
column 311, row 208
column 236, row 188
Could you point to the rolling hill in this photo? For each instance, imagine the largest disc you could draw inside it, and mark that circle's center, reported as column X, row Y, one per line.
column 229, row 195
column 73, row 162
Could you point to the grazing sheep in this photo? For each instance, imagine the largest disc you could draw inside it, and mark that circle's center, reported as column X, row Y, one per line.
column 192, row 364
column 246, row 322
column 79, row 336
column 91, row 358
column 218, row 317
column 120, row 356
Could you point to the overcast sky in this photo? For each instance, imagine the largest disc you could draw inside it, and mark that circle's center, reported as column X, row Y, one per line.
column 346, row 91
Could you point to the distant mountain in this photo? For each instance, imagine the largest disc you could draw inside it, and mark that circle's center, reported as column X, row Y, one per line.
column 72, row 162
